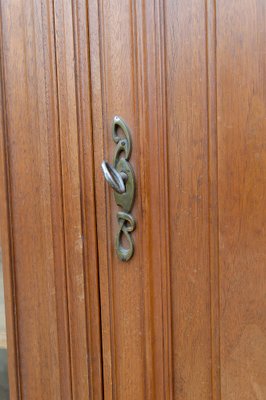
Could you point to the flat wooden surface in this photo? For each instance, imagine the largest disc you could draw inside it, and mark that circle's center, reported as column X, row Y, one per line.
column 241, row 94
column 188, row 186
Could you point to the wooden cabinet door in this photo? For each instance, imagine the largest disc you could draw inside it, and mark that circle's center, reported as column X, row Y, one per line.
column 184, row 318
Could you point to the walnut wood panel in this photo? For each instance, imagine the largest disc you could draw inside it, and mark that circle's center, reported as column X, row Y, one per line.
column 188, row 185
column 170, row 80
column 8, row 254
column 78, row 201
column 30, row 115
column 241, row 108
column 122, row 295
column 185, row 318
column 50, row 269
column 127, row 69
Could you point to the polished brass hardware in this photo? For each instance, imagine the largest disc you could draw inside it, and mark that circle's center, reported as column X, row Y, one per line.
column 121, row 178
column 115, row 179
column 127, row 225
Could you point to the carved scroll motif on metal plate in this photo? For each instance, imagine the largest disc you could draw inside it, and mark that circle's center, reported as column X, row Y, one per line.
column 121, row 178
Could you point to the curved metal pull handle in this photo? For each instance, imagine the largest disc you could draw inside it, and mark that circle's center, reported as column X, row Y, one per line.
column 114, row 178
column 121, row 178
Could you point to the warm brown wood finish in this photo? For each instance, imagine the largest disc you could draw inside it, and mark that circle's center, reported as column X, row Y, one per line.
column 187, row 129
column 51, row 254
column 125, row 48
column 241, row 94
column 185, row 318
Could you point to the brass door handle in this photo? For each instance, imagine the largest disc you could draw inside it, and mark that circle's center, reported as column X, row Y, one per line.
column 120, row 176
column 115, row 179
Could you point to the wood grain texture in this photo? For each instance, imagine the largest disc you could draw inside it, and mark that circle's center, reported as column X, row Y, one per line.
column 213, row 197
column 126, row 44
column 30, row 116
column 241, row 107
column 82, row 283
column 187, row 128
column 155, row 160
column 50, row 270
column 185, row 318
column 86, row 158
column 112, row 63
column 6, row 245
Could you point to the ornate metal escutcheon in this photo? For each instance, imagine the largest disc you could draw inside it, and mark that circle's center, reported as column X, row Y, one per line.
column 121, row 178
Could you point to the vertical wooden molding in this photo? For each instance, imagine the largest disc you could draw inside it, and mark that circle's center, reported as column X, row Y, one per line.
column 152, row 103
column 98, row 127
column 164, row 200
column 142, row 110
column 213, row 196
column 106, row 198
column 57, row 221
column 71, row 36
column 88, row 209
column 7, row 242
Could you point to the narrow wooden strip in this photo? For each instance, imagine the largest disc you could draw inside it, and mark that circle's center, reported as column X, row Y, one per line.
column 7, row 243
column 213, row 196
column 96, row 61
column 164, row 199
column 86, row 157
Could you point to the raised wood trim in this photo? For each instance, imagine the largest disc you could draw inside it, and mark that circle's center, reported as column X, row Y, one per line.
column 213, row 196
column 6, row 242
